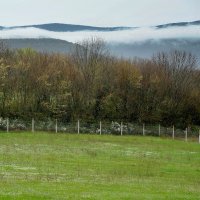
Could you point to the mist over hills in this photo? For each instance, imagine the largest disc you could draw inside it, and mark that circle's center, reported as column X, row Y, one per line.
column 149, row 48
column 59, row 27
column 144, row 50
column 122, row 41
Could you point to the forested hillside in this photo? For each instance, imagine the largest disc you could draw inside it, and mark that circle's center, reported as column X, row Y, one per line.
column 90, row 84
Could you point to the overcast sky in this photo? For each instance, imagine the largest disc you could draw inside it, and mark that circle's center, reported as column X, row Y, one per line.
column 98, row 12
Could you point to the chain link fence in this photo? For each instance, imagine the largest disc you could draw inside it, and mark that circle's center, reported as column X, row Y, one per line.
column 101, row 128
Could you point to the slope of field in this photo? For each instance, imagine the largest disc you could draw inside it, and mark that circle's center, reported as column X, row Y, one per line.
column 49, row 166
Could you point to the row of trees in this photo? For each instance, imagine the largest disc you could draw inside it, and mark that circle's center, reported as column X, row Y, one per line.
column 90, row 84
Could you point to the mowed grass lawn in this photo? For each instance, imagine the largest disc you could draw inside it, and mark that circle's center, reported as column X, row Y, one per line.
column 63, row 166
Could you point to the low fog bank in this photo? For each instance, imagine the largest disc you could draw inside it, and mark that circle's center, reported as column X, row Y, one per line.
column 151, row 47
column 123, row 36
column 140, row 42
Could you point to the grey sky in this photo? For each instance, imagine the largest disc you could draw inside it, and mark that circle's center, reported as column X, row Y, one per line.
column 98, row 12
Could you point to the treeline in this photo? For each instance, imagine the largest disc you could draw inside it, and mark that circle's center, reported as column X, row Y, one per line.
column 92, row 85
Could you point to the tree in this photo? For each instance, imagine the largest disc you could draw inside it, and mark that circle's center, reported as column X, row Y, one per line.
column 176, row 71
column 88, row 58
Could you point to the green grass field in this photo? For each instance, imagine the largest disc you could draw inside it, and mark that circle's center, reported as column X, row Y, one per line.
column 62, row 166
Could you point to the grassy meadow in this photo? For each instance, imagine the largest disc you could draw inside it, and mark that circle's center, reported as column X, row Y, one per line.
column 67, row 166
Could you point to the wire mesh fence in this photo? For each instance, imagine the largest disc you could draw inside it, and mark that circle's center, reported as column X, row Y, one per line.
column 98, row 127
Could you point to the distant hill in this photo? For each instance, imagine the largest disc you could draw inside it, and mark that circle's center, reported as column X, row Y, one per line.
column 141, row 49
column 57, row 27
column 150, row 40
column 41, row 45
column 180, row 24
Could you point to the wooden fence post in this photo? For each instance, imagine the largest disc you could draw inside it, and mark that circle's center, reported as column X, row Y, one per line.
column 143, row 129
column 7, row 125
column 186, row 134
column 173, row 133
column 100, row 127
column 159, row 130
column 121, row 128
column 199, row 136
column 56, row 126
column 78, row 127
column 33, row 124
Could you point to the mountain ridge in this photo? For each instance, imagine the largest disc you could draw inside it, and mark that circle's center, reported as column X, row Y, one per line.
column 179, row 24
column 61, row 27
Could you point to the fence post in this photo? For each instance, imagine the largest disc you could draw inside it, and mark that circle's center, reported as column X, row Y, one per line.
column 56, row 126
column 199, row 136
column 143, row 129
column 186, row 134
column 78, row 127
column 7, row 125
column 159, row 130
column 121, row 128
column 173, row 133
column 33, row 123
column 100, row 127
